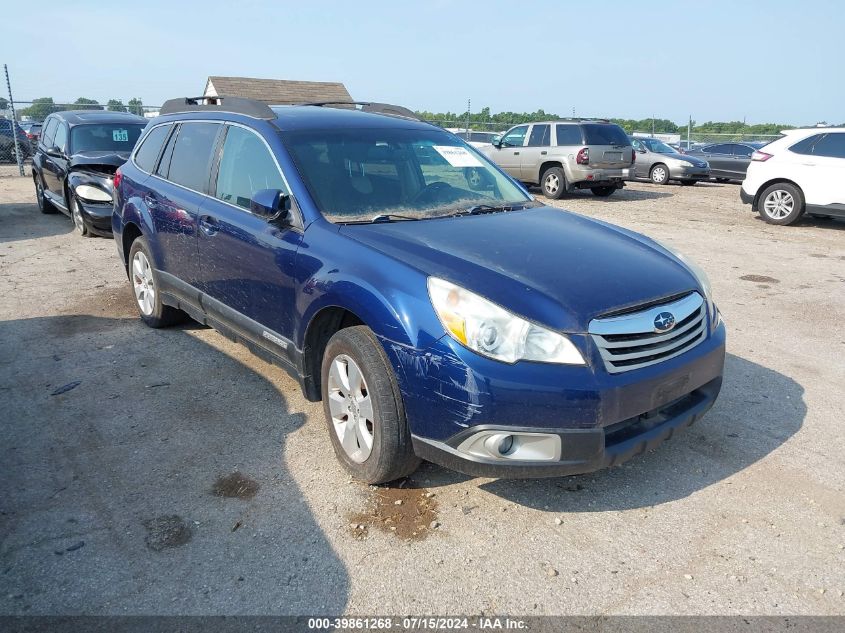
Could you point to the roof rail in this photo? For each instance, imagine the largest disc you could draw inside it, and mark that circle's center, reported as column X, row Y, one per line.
column 583, row 118
column 372, row 107
column 235, row 105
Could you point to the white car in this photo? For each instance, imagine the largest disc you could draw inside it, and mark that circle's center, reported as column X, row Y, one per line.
column 474, row 137
column 803, row 172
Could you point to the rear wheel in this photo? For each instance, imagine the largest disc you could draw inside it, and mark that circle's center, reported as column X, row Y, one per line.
column 723, row 179
column 688, row 183
column 146, row 287
column 602, row 192
column 659, row 174
column 43, row 204
column 781, row 203
column 553, row 183
column 363, row 407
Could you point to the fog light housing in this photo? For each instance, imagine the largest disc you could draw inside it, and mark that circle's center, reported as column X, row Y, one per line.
column 505, row 445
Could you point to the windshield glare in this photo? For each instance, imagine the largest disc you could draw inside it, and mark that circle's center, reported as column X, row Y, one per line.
column 357, row 174
column 656, row 146
column 104, row 137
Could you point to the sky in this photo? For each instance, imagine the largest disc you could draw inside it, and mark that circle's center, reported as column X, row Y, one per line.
column 759, row 61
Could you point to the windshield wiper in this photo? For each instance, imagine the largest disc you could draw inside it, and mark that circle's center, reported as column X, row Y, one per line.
column 390, row 217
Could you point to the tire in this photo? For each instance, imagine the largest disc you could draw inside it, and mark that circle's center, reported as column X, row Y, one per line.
column 781, row 203
column 723, row 180
column 553, row 183
column 43, row 204
column 78, row 221
column 659, row 174
column 365, row 407
column 145, row 285
column 689, row 183
column 602, row 192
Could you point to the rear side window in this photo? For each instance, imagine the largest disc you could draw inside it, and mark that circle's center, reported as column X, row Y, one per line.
column 718, row 149
column 192, row 155
column 49, row 132
column 146, row 155
column 245, row 167
column 568, row 135
column 743, row 151
column 539, row 136
column 604, row 134
column 61, row 137
column 831, row 145
column 805, row 146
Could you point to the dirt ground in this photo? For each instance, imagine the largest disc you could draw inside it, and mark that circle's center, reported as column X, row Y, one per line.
column 171, row 472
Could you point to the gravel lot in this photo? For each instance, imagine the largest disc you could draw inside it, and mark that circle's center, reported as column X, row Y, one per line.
column 170, row 472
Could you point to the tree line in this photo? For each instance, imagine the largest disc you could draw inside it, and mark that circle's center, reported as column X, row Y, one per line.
column 500, row 121
column 44, row 106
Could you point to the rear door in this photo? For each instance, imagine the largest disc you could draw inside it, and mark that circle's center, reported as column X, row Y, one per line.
column 609, row 146
column 720, row 157
column 509, row 155
column 175, row 195
column 818, row 166
column 246, row 261
column 55, row 167
column 741, row 158
column 535, row 151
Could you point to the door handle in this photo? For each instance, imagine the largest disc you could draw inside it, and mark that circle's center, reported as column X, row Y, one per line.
column 208, row 225
column 150, row 201
column 516, row 153
column 543, row 153
column 808, row 164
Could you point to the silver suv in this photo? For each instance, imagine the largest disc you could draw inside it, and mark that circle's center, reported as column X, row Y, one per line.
column 564, row 155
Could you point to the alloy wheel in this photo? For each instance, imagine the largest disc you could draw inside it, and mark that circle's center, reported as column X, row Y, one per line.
column 143, row 283
column 351, row 408
column 779, row 204
column 39, row 195
column 76, row 215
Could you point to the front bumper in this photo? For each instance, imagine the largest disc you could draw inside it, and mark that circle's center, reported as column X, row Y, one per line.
column 689, row 173
column 450, row 393
column 97, row 216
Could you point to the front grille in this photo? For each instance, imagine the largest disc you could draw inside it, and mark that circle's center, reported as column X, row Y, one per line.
column 631, row 341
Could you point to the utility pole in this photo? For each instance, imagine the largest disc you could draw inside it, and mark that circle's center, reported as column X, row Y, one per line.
column 469, row 105
column 18, row 156
column 652, row 125
column 689, row 132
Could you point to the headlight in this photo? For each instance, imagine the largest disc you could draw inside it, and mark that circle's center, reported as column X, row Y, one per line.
column 94, row 194
column 492, row 331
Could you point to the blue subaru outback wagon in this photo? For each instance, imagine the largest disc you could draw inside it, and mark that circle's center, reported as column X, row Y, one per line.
column 437, row 310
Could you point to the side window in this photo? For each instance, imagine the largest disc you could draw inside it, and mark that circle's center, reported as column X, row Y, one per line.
column 831, row 145
column 192, row 155
column 49, row 132
column 60, row 140
column 146, row 155
column 245, row 167
column 568, row 135
column 805, row 146
column 167, row 154
column 637, row 145
column 741, row 150
column 516, row 137
column 718, row 149
column 540, row 136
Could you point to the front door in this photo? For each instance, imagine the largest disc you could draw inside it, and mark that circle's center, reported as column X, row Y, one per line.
column 508, row 155
column 246, row 262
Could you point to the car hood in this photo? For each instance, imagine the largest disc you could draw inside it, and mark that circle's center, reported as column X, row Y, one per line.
column 101, row 161
column 548, row 265
column 685, row 158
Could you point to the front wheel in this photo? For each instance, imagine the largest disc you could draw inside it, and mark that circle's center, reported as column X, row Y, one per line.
column 659, row 174
column 363, row 407
column 781, row 203
column 602, row 192
column 78, row 221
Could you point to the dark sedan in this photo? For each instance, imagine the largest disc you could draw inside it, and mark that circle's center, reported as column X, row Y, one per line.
column 728, row 161
column 75, row 161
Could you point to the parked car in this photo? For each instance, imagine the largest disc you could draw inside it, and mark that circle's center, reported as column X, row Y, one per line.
column 74, row 164
column 7, row 142
column 728, row 161
column 802, row 172
column 476, row 138
column 562, row 156
column 661, row 164
column 432, row 319
column 32, row 129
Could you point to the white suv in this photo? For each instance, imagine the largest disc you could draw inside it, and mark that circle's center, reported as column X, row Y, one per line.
column 803, row 172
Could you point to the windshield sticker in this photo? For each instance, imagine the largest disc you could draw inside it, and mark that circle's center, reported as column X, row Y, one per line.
column 457, row 156
column 120, row 136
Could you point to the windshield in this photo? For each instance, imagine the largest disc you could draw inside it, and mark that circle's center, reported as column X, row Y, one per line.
column 657, row 146
column 358, row 174
column 110, row 137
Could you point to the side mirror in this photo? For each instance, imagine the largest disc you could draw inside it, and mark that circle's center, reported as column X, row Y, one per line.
column 496, row 140
column 640, row 151
column 271, row 204
column 55, row 152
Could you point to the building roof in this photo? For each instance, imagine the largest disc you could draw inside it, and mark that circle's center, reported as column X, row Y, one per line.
column 276, row 91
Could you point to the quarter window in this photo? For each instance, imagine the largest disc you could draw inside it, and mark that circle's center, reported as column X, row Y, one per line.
column 742, row 151
column 245, row 167
column 516, row 137
column 192, row 155
column 49, row 133
column 61, row 137
column 146, row 155
column 805, row 146
column 831, row 145
column 539, row 136
column 568, row 135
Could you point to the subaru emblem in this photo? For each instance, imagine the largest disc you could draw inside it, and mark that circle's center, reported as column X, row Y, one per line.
column 664, row 322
